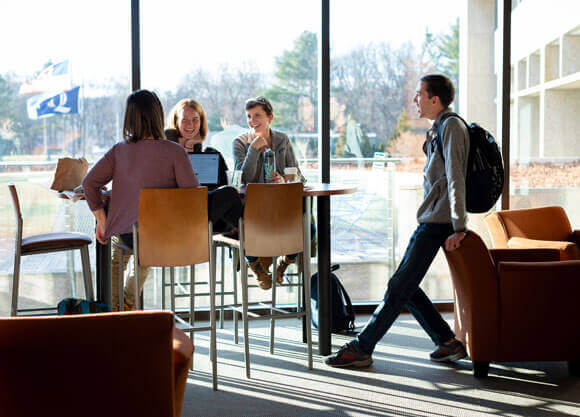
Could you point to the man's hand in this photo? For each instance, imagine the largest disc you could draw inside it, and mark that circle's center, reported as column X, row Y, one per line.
column 276, row 178
column 454, row 241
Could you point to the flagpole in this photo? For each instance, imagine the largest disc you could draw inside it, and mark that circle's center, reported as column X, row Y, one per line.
column 44, row 139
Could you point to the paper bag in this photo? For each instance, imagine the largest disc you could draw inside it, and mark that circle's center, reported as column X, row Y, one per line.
column 69, row 173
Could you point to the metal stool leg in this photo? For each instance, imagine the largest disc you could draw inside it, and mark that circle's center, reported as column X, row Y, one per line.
column 15, row 283
column 87, row 273
column 222, row 284
column 212, row 309
column 163, row 288
column 272, row 311
column 235, row 283
column 172, row 287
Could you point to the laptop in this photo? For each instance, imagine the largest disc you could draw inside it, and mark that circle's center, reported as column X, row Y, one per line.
column 206, row 167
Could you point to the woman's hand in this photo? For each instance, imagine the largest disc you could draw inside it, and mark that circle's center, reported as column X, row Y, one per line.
column 100, row 233
column 259, row 143
column 276, row 178
column 101, row 225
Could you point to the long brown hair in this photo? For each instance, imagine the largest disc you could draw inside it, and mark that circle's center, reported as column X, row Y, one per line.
column 143, row 117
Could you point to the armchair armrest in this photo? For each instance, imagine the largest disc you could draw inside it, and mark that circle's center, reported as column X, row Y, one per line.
column 575, row 237
column 524, row 255
column 568, row 250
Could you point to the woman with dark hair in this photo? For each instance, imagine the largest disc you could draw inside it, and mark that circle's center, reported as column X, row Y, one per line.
column 142, row 159
column 248, row 150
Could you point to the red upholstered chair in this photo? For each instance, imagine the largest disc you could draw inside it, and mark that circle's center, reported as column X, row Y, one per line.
column 109, row 364
column 515, row 305
column 541, row 227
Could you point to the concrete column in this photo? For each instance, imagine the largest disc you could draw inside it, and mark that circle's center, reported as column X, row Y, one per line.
column 477, row 78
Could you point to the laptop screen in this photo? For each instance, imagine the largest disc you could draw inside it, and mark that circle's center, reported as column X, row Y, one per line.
column 206, row 167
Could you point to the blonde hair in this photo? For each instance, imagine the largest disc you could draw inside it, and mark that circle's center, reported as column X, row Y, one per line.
column 192, row 104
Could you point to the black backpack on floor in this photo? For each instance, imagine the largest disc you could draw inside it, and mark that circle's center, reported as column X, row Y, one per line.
column 485, row 174
column 342, row 311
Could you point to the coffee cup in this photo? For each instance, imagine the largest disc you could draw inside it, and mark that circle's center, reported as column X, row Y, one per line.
column 290, row 174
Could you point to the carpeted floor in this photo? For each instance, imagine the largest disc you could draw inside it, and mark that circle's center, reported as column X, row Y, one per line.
column 401, row 382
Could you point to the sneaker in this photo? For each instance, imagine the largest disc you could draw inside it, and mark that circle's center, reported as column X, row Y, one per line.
column 261, row 274
column 282, row 266
column 348, row 355
column 451, row 352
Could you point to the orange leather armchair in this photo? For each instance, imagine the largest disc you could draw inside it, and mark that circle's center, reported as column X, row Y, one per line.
column 541, row 227
column 109, row 364
column 515, row 305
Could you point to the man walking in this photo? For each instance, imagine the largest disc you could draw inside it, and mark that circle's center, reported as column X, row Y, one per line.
column 442, row 220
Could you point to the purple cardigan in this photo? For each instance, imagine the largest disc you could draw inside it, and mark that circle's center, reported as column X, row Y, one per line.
column 133, row 166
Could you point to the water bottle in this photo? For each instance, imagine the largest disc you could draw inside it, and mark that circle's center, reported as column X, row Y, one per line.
column 269, row 164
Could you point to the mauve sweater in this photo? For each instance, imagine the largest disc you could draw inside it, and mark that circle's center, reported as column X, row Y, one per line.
column 133, row 166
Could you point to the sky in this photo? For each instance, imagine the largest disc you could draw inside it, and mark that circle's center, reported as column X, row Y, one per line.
column 179, row 36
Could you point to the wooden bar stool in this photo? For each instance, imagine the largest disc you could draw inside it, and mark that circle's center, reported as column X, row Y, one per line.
column 272, row 226
column 173, row 230
column 45, row 243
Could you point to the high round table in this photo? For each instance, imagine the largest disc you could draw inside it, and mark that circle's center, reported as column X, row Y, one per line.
column 323, row 192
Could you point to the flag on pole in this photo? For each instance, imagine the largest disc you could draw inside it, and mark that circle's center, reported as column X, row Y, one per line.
column 53, row 78
column 46, row 105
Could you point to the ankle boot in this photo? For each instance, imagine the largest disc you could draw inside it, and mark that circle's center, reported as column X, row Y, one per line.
column 284, row 262
column 262, row 276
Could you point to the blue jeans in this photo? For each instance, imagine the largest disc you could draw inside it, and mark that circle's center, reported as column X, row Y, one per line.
column 403, row 291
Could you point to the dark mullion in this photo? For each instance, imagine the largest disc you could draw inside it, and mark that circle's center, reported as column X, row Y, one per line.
column 505, row 100
column 135, row 46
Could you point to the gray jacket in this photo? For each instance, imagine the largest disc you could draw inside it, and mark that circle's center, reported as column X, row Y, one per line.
column 251, row 161
column 444, row 181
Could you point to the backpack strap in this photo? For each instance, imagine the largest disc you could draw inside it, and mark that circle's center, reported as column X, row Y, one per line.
column 443, row 120
column 349, row 309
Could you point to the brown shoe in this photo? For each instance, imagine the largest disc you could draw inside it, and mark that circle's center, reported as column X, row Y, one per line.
column 284, row 262
column 128, row 307
column 261, row 274
column 266, row 262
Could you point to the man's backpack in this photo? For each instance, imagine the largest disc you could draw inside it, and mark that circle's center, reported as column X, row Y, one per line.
column 342, row 311
column 485, row 174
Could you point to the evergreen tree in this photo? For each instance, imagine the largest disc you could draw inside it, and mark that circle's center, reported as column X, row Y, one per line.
column 295, row 79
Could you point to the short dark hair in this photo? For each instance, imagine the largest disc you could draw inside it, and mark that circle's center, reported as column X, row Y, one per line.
column 440, row 86
column 143, row 117
column 260, row 101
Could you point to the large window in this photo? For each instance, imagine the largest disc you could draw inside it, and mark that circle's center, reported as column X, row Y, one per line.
column 379, row 52
column 545, row 100
column 223, row 53
column 63, row 82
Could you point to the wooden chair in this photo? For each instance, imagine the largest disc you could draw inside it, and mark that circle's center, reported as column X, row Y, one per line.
column 540, row 227
column 173, row 230
column 117, row 364
column 45, row 243
column 272, row 225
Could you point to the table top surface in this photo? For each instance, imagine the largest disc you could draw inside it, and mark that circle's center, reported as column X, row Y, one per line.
column 321, row 189
column 315, row 189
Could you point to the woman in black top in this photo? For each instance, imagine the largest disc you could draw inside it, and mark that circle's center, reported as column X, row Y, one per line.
column 188, row 127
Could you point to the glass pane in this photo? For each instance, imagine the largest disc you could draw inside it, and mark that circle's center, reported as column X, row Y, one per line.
column 545, row 151
column 195, row 50
column 378, row 55
column 63, row 82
